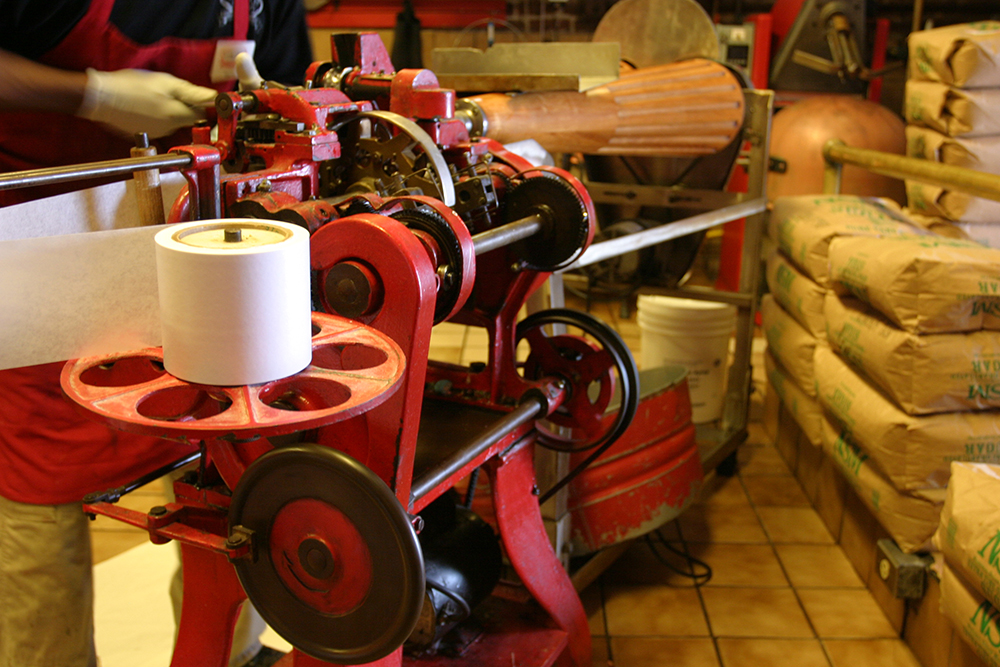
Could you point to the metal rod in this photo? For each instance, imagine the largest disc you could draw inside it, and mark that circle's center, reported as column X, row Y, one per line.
column 506, row 234
column 24, row 179
column 918, row 15
column 965, row 180
column 113, row 495
column 531, row 409
column 623, row 244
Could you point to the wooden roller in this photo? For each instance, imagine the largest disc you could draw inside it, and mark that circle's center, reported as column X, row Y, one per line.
column 683, row 109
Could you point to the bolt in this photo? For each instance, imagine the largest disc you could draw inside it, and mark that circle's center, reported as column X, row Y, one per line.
column 159, row 510
column 236, row 540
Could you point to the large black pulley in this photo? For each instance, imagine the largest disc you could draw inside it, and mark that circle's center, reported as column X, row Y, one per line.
column 564, row 217
column 451, row 273
column 336, row 568
column 592, row 371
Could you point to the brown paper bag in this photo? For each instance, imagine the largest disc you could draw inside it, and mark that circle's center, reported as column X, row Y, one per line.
column 953, row 111
column 983, row 233
column 801, row 297
column 924, row 285
column 950, row 204
column 969, row 530
column 923, row 374
column 913, row 452
column 805, row 410
column 975, row 619
column 790, row 343
column 937, row 226
column 979, row 153
column 965, row 55
column 910, row 519
column 803, row 226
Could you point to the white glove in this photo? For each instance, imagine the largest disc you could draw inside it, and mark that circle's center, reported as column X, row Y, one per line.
column 246, row 73
column 135, row 100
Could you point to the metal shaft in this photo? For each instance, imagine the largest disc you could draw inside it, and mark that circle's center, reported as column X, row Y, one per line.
column 506, row 234
column 531, row 409
column 48, row 176
column 970, row 181
column 113, row 495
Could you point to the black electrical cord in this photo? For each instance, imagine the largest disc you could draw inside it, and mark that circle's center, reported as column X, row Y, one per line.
column 699, row 577
column 463, row 606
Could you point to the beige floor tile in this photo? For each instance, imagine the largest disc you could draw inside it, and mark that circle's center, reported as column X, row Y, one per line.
column 654, row 611
column 865, row 652
column 592, row 604
column 755, row 612
column 781, row 490
column 639, row 565
column 719, row 523
column 845, row 613
column 476, row 346
column 663, row 652
column 757, row 436
column 445, row 353
column 741, row 564
column 794, row 525
column 772, row 653
column 818, row 566
column 719, row 490
column 764, row 460
column 109, row 544
column 448, row 333
column 599, row 652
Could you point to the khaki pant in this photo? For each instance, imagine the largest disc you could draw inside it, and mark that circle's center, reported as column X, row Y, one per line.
column 47, row 590
column 46, row 586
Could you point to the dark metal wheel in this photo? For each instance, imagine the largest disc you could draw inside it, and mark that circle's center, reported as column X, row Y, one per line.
column 447, row 242
column 337, row 569
column 565, row 222
column 592, row 370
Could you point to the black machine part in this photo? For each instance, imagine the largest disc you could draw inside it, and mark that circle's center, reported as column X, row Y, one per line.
column 462, row 565
column 336, row 567
column 431, row 223
column 565, row 222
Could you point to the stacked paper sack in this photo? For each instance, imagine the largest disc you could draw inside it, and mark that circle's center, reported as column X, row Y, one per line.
column 969, row 539
column 883, row 343
column 953, row 116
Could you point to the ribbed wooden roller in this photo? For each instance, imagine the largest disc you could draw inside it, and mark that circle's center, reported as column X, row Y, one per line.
column 683, row 109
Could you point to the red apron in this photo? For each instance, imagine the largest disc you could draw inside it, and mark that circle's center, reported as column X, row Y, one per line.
column 34, row 139
column 49, row 453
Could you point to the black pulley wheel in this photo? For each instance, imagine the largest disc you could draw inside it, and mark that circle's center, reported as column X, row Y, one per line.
column 591, row 370
column 565, row 222
column 444, row 237
column 336, row 569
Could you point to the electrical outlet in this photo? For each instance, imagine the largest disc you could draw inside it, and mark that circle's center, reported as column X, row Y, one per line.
column 903, row 573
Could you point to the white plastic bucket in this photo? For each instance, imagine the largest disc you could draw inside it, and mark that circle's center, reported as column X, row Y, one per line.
column 693, row 334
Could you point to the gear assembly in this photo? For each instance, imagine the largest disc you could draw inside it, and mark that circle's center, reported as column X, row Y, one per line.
column 329, row 498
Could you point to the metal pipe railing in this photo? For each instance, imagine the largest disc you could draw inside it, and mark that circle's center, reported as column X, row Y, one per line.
column 123, row 167
column 969, row 181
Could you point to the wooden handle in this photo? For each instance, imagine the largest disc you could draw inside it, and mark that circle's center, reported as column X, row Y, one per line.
column 147, row 190
column 683, row 109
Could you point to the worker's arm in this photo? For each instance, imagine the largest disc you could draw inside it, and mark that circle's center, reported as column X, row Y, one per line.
column 29, row 86
column 127, row 101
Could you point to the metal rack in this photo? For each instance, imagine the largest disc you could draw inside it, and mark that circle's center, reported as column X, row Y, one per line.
column 716, row 440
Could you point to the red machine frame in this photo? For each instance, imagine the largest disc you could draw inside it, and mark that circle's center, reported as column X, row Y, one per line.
column 402, row 272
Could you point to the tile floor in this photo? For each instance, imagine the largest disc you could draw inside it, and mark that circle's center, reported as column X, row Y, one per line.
column 781, row 593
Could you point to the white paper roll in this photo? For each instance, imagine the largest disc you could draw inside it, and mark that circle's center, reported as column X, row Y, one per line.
column 235, row 311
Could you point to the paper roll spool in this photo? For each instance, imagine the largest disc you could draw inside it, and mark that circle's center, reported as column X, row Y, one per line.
column 234, row 300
